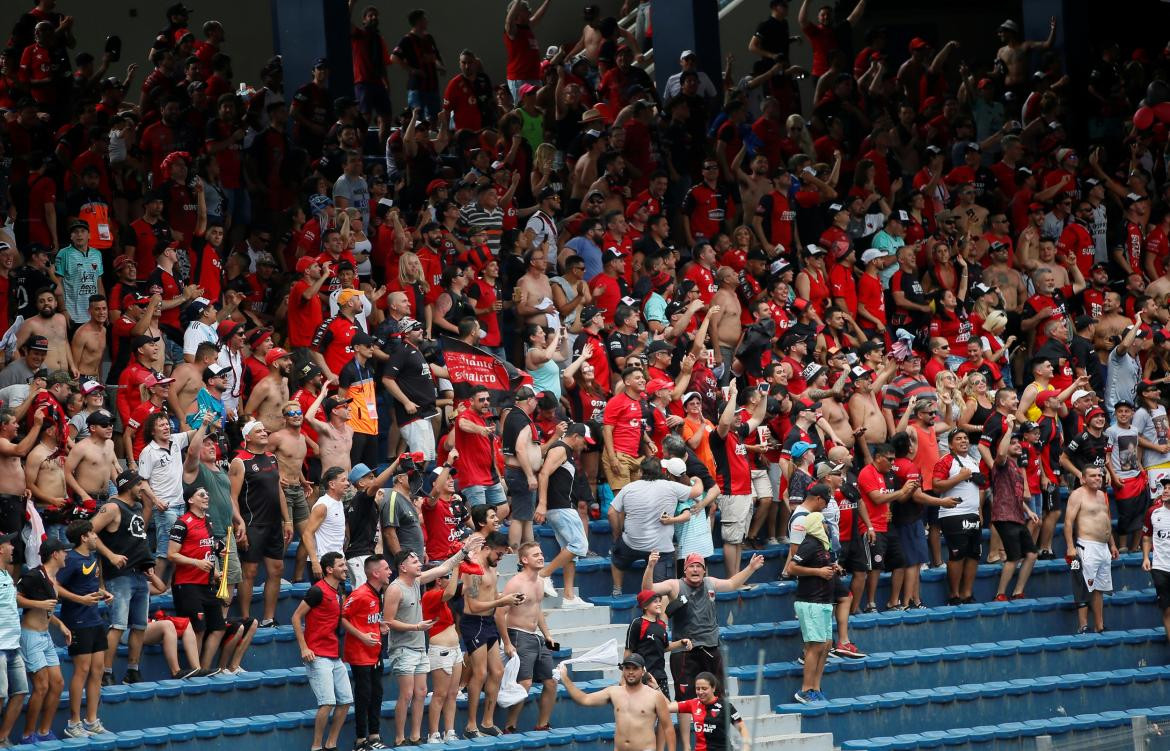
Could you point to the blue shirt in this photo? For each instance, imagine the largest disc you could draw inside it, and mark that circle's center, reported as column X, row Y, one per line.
column 79, row 576
column 205, row 402
column 80, row 273
column 589, row 252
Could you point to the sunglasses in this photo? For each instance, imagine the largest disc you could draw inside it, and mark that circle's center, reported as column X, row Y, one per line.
column 294, row 413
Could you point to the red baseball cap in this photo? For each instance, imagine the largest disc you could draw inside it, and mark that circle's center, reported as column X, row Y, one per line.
column 304, row 262
column 274, row 354
column 435, row 184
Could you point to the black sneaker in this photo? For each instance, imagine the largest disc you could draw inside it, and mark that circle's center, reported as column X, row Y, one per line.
column 954, row 601
column 269, row 623
column 1045, row 555
column 132, row 676
column 193, row 672
column 969, row 600
column 491, row 730
column 107, row 679
column 870, row 608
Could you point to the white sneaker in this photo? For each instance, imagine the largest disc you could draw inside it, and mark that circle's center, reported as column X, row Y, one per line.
column 575, row 603
column 549, row 589
column 94, row 728
column 450, row 736
column 435, row 738
column 75, row 730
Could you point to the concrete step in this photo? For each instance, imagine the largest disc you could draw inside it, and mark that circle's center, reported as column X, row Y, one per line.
column 557, row 618
column 769, row 724
column 794, row 742
column 588, row 637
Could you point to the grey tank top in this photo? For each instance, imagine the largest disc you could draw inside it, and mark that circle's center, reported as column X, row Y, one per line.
column 698, row 617
column 409, row 611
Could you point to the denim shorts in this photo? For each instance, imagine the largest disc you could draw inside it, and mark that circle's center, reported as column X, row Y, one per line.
column 37, row 650
column 163, row 521
column 13, row 679
column 131, row 602
column 329, row 681
column 566, row 526
column 477, row 495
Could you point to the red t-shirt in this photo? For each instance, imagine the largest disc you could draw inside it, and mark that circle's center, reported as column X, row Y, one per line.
column 610, row 297
column 868, row 481
column 363, row 610
column 193, row 533
column 824, row 41
column 523, row 55
column 435, row 609
column 704, row 280
column 842, row 284
column 370, row 56
column 869, row 291
column 439, row 525
column 476, row 452
column 333, row 338
column 138, row 417
column 304, row 316
column 459, row 97
column 42, row 191
column 625, row 415
column 321, row 622
column 706, row 209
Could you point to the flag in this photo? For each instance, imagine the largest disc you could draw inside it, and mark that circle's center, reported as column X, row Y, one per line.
column 470, row 367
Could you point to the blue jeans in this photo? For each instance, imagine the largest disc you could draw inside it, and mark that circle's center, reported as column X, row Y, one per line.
column 477, row 495
column 13, row 678
column 162, row 522
column 131, row 602
column 427, row 101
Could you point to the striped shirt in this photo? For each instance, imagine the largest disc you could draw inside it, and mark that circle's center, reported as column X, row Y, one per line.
column 474, row 214
column 9, row 613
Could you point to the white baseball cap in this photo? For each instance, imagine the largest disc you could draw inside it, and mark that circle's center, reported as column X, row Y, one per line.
column 674, row 466
column 1079, row 393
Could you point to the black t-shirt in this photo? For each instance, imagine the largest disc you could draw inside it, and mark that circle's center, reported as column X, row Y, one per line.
column 409, row 368
column 619, row 345
column 812, row 554
column 649, row 639
column 773, row 34
column 514, row 422
column 23, row 283
column 1086, row 450
column 361, row 517
column 35, row 585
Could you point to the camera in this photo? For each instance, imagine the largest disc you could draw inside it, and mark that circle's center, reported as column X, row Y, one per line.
column 978, row 478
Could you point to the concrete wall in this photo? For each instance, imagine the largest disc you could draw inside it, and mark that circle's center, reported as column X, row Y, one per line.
column 456, row 24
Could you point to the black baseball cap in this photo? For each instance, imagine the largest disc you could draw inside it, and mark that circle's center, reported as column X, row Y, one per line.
column 127, row 480
column 633, row 658
column 99, row 417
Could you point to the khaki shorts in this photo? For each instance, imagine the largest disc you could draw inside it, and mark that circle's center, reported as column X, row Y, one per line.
column 627, row 470
column 233, row 562
column 735, row 514
column 761, row 485
column 298, row 503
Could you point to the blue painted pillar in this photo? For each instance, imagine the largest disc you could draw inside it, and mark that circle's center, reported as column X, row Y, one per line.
column 303, row 30
column 685, row 25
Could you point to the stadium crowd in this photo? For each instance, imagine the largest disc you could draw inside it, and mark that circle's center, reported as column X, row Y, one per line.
column 865, row 310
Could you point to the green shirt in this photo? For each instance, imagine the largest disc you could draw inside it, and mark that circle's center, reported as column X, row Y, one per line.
column 219, row 489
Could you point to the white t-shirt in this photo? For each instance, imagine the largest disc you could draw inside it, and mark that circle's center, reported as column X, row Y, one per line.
column 967, row 492
column 162, row 466
column 197, row 333
column 644, row 502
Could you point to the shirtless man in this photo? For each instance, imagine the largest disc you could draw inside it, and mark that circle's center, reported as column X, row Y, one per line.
column 518, row 626
column 1007, row 280
column 89, row 340
column 636, row 706
column 972, row 216
column 44, row 474
column 270, row 395
column 189, row 379
column 1090, row 556
column 592, row 38
column 12, row 476
column 1012, row 58
column 534, row 297
column 753, row 186
column 1111, row 323
column 1046, row 256
column 585, row 170
column 480, row 633
column 291, row 446
column 833, row 410
column 92, row 465
column 53, row 326
column 865, row 413
column 726, row 323
column 335, row 437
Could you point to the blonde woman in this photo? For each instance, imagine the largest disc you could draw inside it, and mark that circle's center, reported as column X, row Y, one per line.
column 355, row 240
column 542, row 167
column 412, row 282
column 995, row 347
column 798, row 133
column 950, row 405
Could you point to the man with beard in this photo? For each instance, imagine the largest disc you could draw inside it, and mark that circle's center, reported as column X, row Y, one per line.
column 51, row 325
column 255, row 486
column 636, row 705
column 270, row 393
column 290, row 446
column 480, row 632
column 89, row 340
column 91, row 465
column 79, row 268
column 121, row 527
